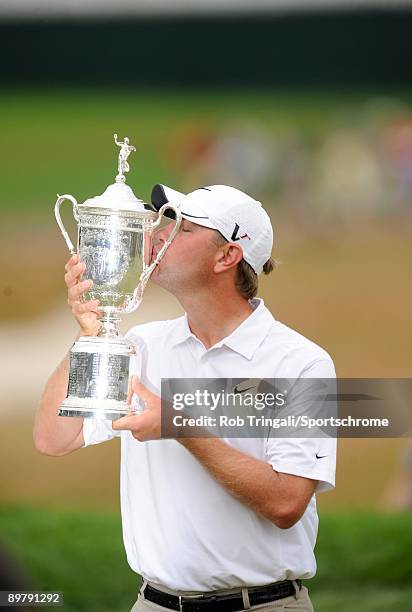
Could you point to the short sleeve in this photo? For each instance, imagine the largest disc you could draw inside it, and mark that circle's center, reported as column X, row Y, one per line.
column 313, row 458
column 96, row 431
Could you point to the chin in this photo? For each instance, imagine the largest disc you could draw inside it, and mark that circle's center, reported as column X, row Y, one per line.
column 157, row 278
column 167, row 283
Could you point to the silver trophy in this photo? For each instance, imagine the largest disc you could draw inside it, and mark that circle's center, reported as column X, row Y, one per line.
column 115, row 233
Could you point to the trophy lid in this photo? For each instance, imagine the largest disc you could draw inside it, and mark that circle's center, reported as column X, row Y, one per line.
column 118, row 196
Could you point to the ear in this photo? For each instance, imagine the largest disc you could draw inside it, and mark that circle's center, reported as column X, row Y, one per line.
column 227, row 257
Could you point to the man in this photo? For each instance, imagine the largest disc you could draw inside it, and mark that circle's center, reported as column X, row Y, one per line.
column 209, row 524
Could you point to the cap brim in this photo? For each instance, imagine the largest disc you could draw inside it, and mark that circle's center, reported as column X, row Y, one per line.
column 161, row 194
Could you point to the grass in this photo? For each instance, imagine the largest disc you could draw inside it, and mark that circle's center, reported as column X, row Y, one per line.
column 61, row 140
column 79, row 554
column 364, row 560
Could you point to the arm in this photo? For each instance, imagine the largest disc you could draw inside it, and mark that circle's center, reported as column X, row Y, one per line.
column 281, row 498
column 54, row 435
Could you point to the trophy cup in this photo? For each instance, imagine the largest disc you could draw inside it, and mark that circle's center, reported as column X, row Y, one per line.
column 115, row 233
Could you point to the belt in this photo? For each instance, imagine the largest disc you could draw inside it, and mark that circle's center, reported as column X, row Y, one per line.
column 225, row 603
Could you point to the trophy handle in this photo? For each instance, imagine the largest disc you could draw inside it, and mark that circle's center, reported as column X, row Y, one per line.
column 138, row 293
column 59, row 201
column 178, row 220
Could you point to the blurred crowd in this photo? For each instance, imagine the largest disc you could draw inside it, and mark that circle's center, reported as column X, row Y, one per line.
column 361, row 162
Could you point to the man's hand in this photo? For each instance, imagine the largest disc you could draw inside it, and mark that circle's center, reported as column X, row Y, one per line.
column 146, row 425
column 86, row 313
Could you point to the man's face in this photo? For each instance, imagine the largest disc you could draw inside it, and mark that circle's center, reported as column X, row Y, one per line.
column 189, row 261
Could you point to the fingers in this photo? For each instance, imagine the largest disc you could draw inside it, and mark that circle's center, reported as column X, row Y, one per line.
column 87, row 312
column 144, row 426
column 130, row 391
column 74, row 259
column 139, row 425
column 76, row 287
column 79, row 308
column 141, row 390
column 74, row 273
column 76, row 291
column 135, row 387
column 129, row 422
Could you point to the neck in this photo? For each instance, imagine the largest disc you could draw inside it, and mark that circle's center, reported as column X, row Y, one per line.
column 213, row 315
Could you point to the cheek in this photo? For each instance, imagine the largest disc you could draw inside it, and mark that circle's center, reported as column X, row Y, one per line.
column 200, row 259
column 191, row 254
column 173, row 248
column 177, row 251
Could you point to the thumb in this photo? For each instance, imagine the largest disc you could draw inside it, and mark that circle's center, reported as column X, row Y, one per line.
column 140, row 390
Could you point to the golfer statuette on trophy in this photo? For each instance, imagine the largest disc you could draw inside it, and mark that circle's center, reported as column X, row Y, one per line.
column 115, row 232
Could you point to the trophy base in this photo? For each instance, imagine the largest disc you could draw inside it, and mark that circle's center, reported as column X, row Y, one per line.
column 98, row 379
column 93, row 409
column 90, row 414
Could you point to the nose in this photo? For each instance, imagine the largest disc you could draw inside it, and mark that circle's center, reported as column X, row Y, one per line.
column 161, row 235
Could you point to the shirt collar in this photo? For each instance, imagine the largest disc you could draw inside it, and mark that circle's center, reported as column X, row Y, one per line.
column 245, row 339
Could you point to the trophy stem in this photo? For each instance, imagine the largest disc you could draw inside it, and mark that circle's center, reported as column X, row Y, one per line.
column 109, row 326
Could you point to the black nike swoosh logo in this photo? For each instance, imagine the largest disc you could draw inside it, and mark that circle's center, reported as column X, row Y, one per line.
column 236, row 390
column 193, row 216
column 321, row 457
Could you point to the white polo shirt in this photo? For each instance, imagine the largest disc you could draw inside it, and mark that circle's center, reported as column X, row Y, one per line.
column 181, row 528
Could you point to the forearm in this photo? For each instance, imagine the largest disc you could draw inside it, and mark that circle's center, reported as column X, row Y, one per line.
column 251, row 481
column 55, row 435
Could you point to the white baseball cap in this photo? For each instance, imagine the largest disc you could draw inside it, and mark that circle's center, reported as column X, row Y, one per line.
column 237, row 216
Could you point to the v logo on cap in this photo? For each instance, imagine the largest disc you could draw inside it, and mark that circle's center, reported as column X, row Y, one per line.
column 234, row 237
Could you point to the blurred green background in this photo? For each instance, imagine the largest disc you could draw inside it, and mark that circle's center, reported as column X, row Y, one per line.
column 330, row 158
